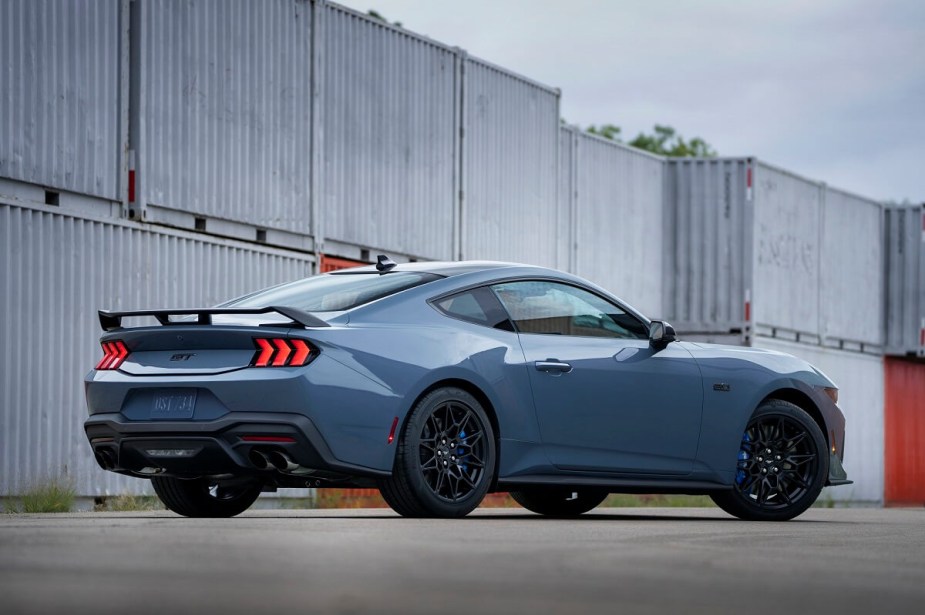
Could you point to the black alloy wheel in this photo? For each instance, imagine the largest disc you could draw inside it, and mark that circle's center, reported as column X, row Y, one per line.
column 562, row 502
column 445, row 461
column 203, row 497
column 782, row 465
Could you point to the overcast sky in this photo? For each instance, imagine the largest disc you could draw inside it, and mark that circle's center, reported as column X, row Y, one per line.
column 831, row 89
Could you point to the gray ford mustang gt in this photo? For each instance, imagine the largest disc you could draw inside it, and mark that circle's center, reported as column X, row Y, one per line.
column 440, row 382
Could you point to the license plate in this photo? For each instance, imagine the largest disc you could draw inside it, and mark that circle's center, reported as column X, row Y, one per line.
column 174, row 404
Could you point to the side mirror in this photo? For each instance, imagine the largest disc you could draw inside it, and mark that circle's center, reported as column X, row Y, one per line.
column 661, row 334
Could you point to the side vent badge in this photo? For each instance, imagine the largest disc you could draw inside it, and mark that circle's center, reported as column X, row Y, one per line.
column 722, row 387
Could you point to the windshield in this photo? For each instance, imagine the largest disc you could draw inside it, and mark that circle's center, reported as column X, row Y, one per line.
column 334, row 293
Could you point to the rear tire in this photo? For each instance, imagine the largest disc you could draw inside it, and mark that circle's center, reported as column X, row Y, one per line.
column 445, row 461
column 559, row 502
column 202, row 497
column 783, row 465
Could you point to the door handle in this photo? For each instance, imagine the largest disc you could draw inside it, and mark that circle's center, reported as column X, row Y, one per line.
column 553, row 366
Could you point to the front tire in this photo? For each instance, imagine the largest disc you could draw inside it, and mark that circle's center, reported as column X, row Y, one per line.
column 202, row 497
column 559, row 502
column 783, row 464
column 446, row 455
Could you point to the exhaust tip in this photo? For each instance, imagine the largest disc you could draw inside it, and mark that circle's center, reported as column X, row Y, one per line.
column 259, row 459
column 280, row 461
column 105, row 458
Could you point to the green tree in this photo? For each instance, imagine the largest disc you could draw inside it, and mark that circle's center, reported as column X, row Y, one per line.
column 608, row 131
column 377, row 15
column 663, row 140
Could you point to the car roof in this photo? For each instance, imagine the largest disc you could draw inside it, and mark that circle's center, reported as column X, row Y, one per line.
column 446, row 269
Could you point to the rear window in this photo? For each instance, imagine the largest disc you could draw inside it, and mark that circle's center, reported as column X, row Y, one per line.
column 334, row 293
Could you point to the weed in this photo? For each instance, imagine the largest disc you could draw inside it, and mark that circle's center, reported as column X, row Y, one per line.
column 127, row 503
column 625, row 500
column 55, row 495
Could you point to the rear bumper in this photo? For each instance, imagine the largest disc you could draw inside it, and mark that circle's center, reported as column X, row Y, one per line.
column 223, row 446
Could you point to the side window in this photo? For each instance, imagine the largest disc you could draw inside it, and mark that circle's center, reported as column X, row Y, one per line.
column 479, row 306
column 554, row 308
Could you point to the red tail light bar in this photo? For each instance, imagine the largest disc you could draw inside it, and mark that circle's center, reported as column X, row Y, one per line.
column 280, row 352
column 114, row 353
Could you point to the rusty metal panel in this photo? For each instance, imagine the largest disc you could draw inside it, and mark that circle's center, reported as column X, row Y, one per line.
column 905, row 280
column 389, row 136
column 220, row 125
column 59, row 268
column 619, row 221
column 860, row 378
column 326, row 263
column 61, row 95
column 905, row 432
column 510, row 156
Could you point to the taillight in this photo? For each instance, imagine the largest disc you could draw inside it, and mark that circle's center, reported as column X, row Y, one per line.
column 280, row 352
column 114, row 353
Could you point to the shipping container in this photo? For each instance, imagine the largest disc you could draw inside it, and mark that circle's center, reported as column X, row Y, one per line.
column 327, row 264
column 389, row 136
column 904, row 384
column 59, row 268
column 568, row 197
column 618, row 216
column 63, row 94
column 852, row 285
column 753, row 249
column 510, row 160
column 904, row 244
column 860, row 379
column 708, row 246
column 220, row 119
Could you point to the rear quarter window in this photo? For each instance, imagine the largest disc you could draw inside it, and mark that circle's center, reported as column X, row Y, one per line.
column 478, row 306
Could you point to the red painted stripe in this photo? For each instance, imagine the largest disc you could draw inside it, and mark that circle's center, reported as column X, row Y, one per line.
column 748, row 311
column 748, row 177
column 131, row 185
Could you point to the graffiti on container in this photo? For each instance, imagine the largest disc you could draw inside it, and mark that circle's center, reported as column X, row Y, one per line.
column 786, row 251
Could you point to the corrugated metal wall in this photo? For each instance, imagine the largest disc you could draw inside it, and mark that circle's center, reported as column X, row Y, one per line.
column 708, row 212
column 510, row 145
column 904, row 243
column 905, row 432
column 59, row 269
column 389, row 133
column 568, row 197
column 852, row 258
column 861, row 389
column 60, row 118
column 620, row 243
column 222, row 108
column 788, row 240
column 755, row 249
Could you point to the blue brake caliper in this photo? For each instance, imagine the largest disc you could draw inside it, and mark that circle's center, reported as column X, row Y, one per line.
column 744, row 456
column 460, row 451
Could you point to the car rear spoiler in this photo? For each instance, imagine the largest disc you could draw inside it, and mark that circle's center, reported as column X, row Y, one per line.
column 110, row 321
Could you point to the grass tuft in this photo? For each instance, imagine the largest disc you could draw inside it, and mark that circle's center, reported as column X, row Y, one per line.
column 55, row 495
column 625, row 500
column 127, row 503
